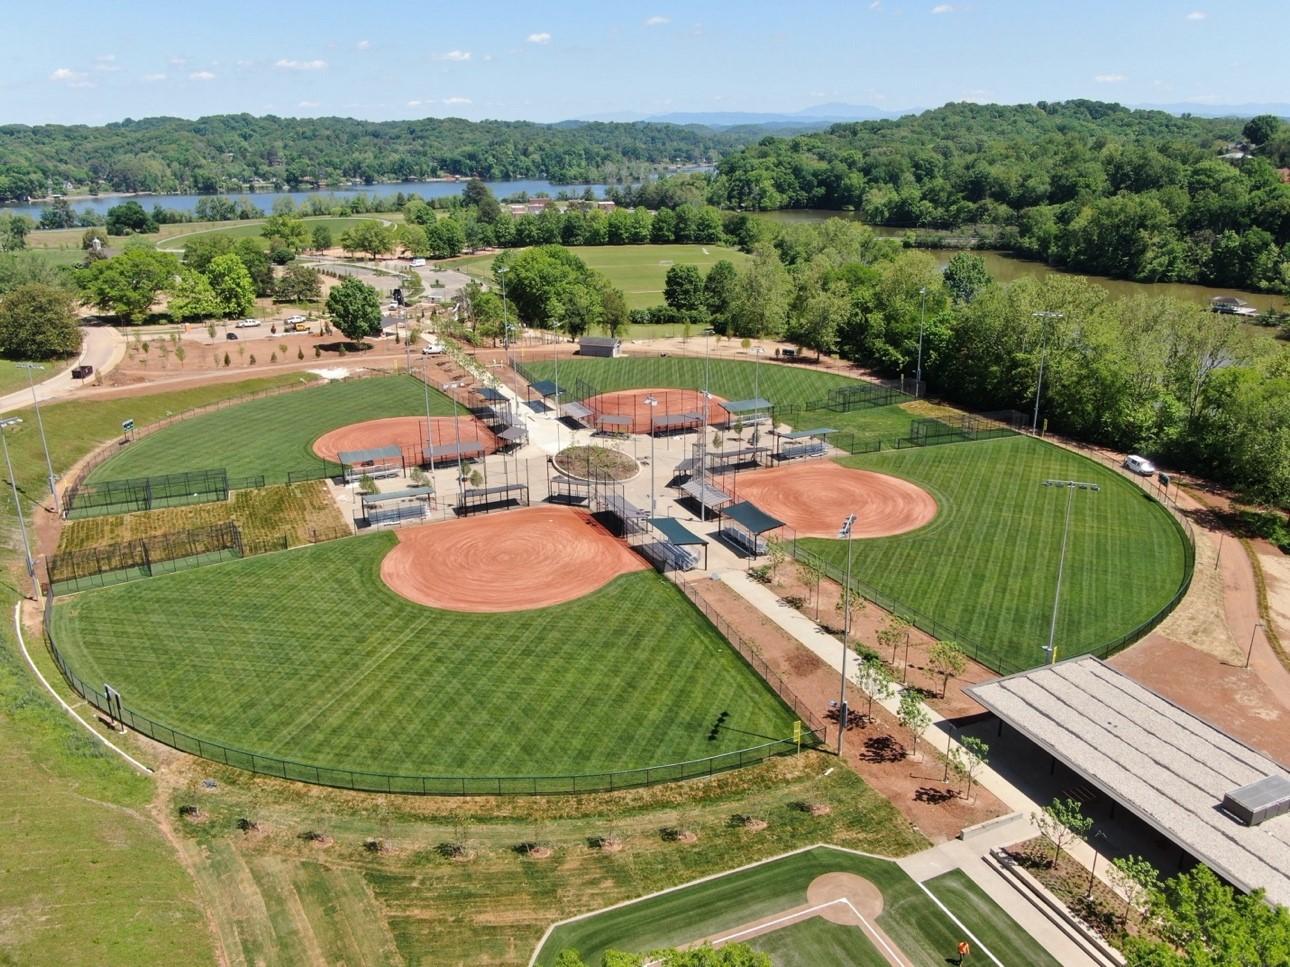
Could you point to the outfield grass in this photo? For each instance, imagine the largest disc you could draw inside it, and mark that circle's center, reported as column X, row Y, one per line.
column 68, row 240
column 308, row 656
column 909, row 917
column 966, row 901
column 274, row 435
column 735, row 380
column 810, row 943
column 252, row 229
column 638, row 270
column 985, row 569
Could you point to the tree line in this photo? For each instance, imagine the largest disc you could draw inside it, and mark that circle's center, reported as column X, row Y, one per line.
column 229, row 152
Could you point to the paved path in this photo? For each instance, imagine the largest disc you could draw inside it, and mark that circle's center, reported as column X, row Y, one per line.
column 103, row 348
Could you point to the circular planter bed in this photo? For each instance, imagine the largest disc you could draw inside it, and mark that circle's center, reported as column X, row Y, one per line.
column 596, row 463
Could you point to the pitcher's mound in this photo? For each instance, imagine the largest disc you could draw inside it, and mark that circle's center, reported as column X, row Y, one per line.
column 814, row 498
column 406, row 432
column 511, row 561
column 671, row 402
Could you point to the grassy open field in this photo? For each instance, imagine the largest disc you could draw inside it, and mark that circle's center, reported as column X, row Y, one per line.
column 736, row 380
column 638, row 270
column 909, row 917
column 251, row 229
column 12, row 378
column 271, row 436
column 805, row 943
column 69, row 239
column 307, row 655
column 986, row 567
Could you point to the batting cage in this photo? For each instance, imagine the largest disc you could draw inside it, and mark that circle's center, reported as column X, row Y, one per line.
column 145, row 493
column 374, row 462
column 931, row 431
column 858, row 395
column 96, row 567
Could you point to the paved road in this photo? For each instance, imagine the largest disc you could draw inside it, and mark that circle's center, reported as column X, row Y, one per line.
column 103, row 348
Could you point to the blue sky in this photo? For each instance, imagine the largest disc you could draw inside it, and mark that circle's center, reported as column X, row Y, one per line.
column 82, row 62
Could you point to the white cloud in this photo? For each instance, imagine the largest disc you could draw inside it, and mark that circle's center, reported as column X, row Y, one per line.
column 1197, row 15
column 201, row 76
column 66, row 75
column 657, row 21
column 875, row 4
column 943, row 8
column 300, row 65
column 364, row 45
column 153, row 78
column 307, row 104
column 1110, row 78
column 415, row 103
column 177, row 62
column 457, row 100
column 106, row 63
column 542, row 38
column 453, row 55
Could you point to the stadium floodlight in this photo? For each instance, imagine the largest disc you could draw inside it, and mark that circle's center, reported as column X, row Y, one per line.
column 6, row 424
column 1045, row 316
column 844, row 534
column 49, row 464
column 1070, row 486
column 651, row 402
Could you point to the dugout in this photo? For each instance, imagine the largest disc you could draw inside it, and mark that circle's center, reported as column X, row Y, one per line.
column 562, row 489
column 747, row 412
column 674, row 548
column 743, row 525
column 474, row 500
column 800, row 444
column 619, row 423
column 547, row 389
column 675, row 423
column 452, row 452
column 397, row 506
column 374, row 462
column 727, row 461
column 578, row 413
column 514, row 436
column 632, row 520
column 708, row 497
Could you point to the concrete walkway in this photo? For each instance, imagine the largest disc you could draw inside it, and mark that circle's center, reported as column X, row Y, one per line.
column 103, row 348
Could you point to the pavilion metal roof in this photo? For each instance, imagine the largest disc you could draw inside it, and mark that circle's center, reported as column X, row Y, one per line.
column 675, row 532
column 406, row 494
column 751, row 517
column 746, row 406
column 352, row 458
column 803, row 434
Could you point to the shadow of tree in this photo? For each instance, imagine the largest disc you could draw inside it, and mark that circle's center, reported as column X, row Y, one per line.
column 882, row 748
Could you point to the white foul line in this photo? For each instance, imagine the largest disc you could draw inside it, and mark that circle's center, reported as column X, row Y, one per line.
column 17, row 627
column 811, row 911
column 980, row 946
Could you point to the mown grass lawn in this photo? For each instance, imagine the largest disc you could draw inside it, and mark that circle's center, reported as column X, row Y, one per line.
column 991, row 924
column 734, row 380
column 270, row 436
column 639, row 270
column 985, row 568
column 306, row 655
column 909, row 917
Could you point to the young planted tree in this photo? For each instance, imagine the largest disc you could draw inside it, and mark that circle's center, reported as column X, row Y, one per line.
column 1062, row 821
column 849, row 606
column 968, row 759
column 876, row 681
column 1135, row 879
column 776, row 553
column 913, row 717
column 947, row 661
column 892, row 633
column 811, row 573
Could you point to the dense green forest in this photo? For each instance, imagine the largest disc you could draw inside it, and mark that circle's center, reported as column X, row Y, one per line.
column 1094, row 187
column 225, row 152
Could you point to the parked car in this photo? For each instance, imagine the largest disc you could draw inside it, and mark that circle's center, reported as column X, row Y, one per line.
column 431, row 349
column 247, row 323
column 230, row 335
column 291, row 320
column 82, row 372
column 418, row 263
column 1139, row 465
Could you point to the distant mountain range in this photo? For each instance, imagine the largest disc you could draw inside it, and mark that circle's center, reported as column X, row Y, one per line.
column 822, row 115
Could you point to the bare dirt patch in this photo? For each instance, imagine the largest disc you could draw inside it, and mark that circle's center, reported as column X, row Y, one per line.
column 812, row 497
column 671, row 402
column 521, row 559
column 408, row 433
column 861, row 894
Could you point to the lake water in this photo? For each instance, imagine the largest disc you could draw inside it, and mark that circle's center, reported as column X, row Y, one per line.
column 1008, row 268
column 265, row 199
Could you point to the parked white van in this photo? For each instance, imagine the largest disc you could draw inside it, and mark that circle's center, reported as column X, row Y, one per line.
column 1139, row 465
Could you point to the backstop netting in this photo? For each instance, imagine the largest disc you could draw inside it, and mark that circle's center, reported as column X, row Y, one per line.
column 96, row 567
column 145, row 493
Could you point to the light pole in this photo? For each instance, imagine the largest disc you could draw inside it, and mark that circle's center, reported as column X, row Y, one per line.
column 17, row 505
column 49, row 464
column 844, row 533
column 1071, row 486
column 506, row 329
column 456, row 422
column 922, row 320
column 760, row 351
column 1034, row 423
column 1250, row 650
column 651, row 402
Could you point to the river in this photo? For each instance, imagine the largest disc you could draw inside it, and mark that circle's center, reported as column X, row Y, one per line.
column 1004, row 267
column 264, row 199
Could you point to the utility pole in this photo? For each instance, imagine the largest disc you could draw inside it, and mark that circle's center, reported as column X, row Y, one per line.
column 506, row 326
column 922, row 320
column 1071, row 486
column 844, row 533
column 17, row 506
column 1045, row 316
column 49, row 464
column 651, row 402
